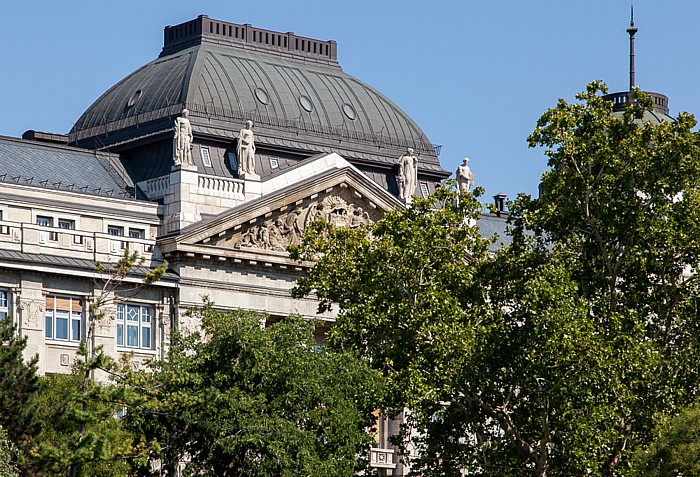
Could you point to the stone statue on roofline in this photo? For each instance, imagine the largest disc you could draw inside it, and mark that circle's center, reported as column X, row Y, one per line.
column 246, row 152
column 465, row 177
column 182, row 141
column 408, row 175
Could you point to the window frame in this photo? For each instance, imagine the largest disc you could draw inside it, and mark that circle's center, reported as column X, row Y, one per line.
column 5, row 303
column 137, row 233
column 47, row 218
column 74, row 321
column 143, row 325
column 206, row 156
column 118, row 229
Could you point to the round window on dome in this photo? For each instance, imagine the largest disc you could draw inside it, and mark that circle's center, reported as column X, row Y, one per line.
column 262, row 95
column 349, row 111
column 306, row 103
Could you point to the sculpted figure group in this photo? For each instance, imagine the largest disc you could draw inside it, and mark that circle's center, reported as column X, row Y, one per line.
column 277, row 234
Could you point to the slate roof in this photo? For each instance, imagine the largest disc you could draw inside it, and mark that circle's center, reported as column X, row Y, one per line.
column 61, row 167
column 490, row 225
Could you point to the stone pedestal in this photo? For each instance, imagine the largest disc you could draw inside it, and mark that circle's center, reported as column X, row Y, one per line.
column 180, row 203
column 249, row 177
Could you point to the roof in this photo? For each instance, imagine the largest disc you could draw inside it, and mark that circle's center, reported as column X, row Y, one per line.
column 61, row 167
column 69, row 265
column 224, row 80
column 491, row 225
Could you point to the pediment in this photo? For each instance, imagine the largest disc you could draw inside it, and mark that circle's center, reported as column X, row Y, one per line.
column 345, row 197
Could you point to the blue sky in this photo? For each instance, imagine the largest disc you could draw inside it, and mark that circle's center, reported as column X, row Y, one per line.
column 475, row 75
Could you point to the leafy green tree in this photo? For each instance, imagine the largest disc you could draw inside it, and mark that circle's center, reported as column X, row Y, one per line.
column 552, row 356
column 675, row 450
column 241, row 399
column 18, row 382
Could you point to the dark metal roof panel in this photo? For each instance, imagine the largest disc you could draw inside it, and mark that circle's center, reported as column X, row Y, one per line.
column 68, row 263
column 59, row 167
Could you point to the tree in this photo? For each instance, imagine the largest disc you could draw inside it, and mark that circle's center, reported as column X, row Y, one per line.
column 83, row 437
column 553, row 355
column 18, row 382
column 675, row 449
column 241, row 399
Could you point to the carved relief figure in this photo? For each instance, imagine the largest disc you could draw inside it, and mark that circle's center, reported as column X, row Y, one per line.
column 277, row 233
column 465, row 177
column 182, row 141
column 408, row 175
column 246, row 150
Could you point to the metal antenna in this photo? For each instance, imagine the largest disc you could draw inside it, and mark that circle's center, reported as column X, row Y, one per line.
column 632, row 30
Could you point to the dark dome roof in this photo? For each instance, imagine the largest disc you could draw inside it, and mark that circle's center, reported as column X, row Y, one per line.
column 224, row 74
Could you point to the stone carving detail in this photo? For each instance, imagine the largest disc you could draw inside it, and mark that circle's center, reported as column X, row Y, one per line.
column 277, row 233
column 31, row 311
column 245, row 151
column 182, row 141
column 408, row 175
column 465, row 177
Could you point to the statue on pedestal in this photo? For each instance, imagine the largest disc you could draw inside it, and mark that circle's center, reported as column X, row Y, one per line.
column 182, row 141
column 408, row 175
column 246, row 151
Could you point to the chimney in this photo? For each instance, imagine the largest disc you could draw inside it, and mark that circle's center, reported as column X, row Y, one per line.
column 500, row 202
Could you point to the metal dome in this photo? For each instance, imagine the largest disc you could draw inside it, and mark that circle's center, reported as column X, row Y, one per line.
column 290, row 86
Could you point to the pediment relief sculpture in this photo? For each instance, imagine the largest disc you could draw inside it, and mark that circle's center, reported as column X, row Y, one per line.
column 277, row 231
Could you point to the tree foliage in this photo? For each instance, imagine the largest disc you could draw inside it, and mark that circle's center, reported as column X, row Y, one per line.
column 553, row 355
column 675, row 449
column 241, row 399
column 19, row 419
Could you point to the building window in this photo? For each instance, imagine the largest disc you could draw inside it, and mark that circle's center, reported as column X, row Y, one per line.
column 44, row 221
column 274, row 164
column 64, row 318
column 137, row 233
column 116, row 231
column 134, row 326
column 424, row 189
column 4, row 304
column 206, row 158
column 66, row 224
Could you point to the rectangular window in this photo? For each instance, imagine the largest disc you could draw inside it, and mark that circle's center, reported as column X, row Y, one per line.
column 274, row 164
column 134, row 326
column 44, row 221
column 4, row 304
column 424, row 189
column 64, row 318
column 137, row 233
column 206, row 158
column 66, row 224
column 116, row 231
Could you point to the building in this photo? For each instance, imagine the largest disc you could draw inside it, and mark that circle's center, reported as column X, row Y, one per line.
column 212, row 157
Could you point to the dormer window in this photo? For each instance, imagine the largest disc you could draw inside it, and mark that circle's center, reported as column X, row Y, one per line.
column 206, row 158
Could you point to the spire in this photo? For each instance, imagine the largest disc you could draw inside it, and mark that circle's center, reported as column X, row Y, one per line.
column 632, row 30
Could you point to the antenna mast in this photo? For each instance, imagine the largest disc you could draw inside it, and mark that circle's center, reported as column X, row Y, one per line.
column 632, row 30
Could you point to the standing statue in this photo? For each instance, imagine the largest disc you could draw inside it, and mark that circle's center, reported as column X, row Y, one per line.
column 408, row 175
column 246, row 150
column 465, row 177
column 182, row 141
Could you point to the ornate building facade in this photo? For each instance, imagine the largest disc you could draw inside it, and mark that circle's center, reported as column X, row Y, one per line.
column 213, row 157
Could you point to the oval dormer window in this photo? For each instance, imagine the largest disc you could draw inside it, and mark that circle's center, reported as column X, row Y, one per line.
column 349, row 111
column 262, row 95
